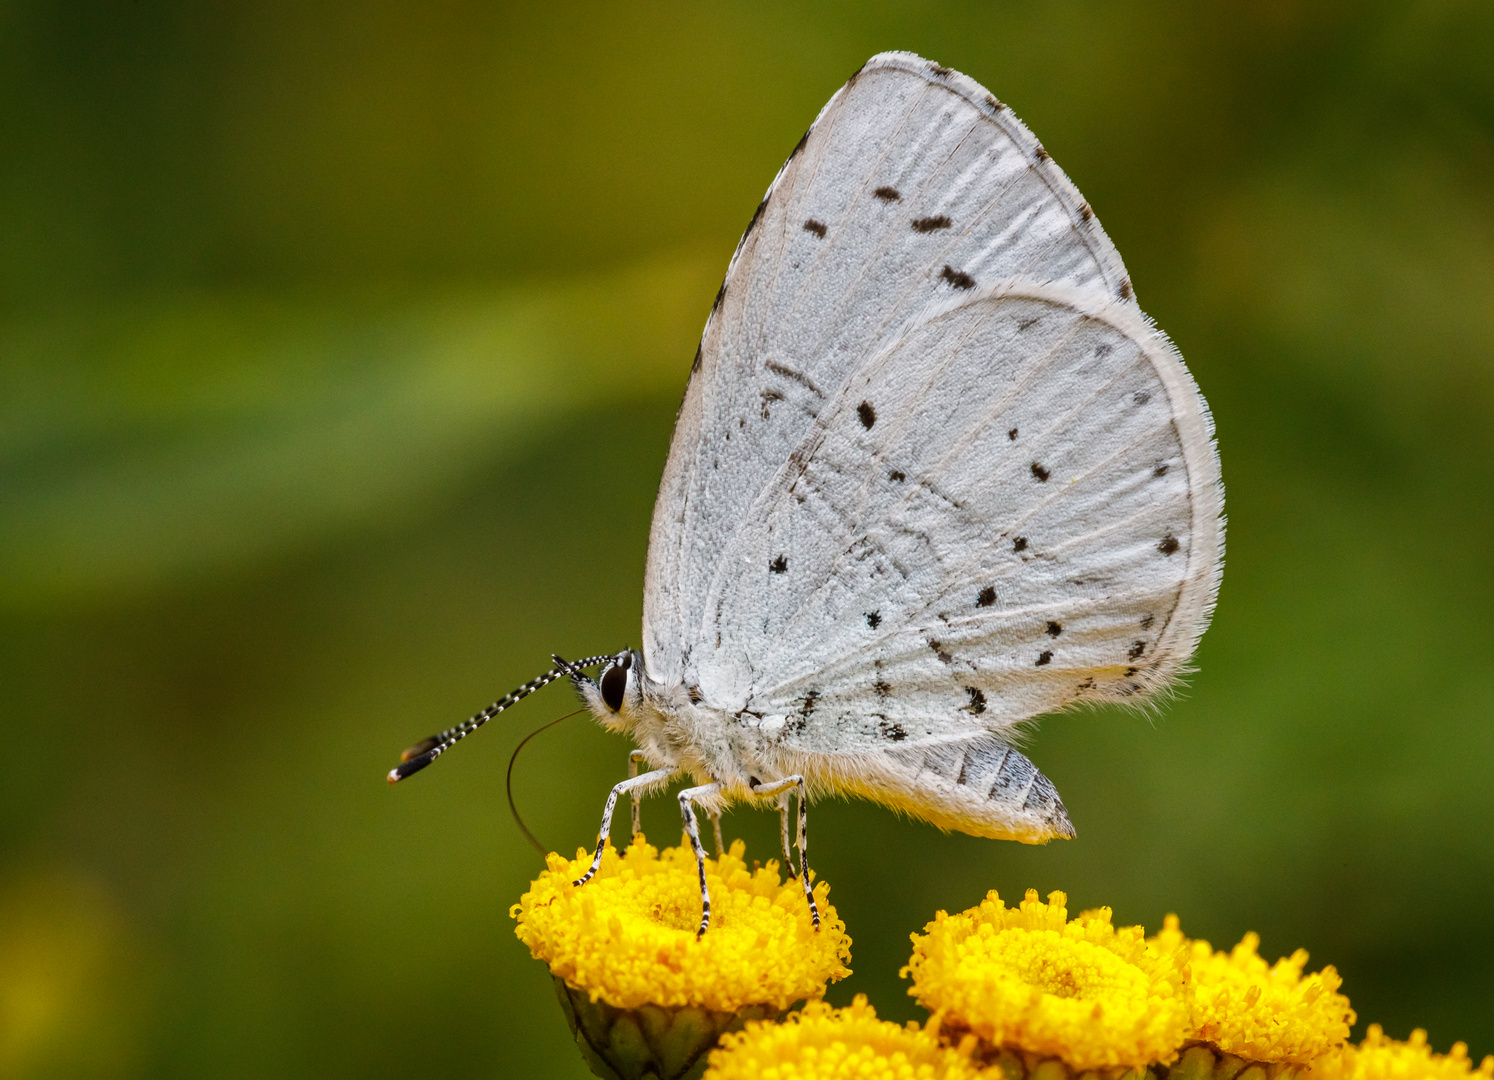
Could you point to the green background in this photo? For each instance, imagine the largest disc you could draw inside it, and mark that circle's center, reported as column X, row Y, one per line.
column 339, row 351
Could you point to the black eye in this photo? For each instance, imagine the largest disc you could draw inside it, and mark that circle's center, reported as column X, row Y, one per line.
column 614, row 682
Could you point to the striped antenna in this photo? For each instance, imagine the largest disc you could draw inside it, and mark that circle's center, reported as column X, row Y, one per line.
column 428, row 750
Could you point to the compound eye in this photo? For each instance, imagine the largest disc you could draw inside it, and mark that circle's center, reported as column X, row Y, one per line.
column 613, row 682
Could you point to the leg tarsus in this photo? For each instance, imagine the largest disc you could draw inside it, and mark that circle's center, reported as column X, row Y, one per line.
column 605, row 832
column 634, row 802
column 716, row 828
column 692, row 830
column 781, row 788
column 783, row 834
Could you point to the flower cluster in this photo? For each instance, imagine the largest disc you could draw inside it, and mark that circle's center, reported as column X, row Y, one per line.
column 849, row 1044
column 1026, row 977
column 1379, row 1058
column 1038, row 990
column 629, row 935
column 643, row 995
column 1014, row 993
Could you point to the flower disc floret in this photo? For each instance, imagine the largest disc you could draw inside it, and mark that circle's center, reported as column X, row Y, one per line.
column 1379, row 1058
column 1028, row 979
column 628, row 936
column 1260, row 1012
column 819, row 1043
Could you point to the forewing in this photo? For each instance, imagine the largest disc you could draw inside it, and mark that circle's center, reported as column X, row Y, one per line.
column 913, row 185
column 1013, row 506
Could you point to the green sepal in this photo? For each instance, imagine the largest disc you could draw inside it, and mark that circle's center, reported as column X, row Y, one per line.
column 650, row 1042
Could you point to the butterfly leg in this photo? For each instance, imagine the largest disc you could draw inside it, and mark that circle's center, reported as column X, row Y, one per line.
column 634, row 757
column 692, row 829
column 716, row 828
column 782, row 788
column 783, row 832
column 605, row 832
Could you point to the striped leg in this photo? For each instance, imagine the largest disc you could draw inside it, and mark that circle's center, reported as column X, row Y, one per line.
column 783, row 832
column 781, row 788
column 692, row 830
column 605, row 832
column 634, row 757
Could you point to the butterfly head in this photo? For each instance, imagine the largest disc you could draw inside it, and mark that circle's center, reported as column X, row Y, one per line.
column 614, row 696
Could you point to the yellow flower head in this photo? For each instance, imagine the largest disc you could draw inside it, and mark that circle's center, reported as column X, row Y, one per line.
column 1260, row 1012
column 627, row 937
column 1027, row 979
column 1379, row 1058
column 820, row 1043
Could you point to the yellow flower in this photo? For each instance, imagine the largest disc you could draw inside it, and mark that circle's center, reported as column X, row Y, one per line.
column 820, row 1043
column 1028, row 982
column 1260, row 1013
column 1379, row 1058
column 627, row 937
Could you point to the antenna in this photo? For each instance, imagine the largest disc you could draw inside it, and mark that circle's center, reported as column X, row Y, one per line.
column 428, row 750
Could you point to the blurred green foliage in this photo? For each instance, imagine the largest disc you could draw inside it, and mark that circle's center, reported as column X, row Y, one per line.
column 339, row 351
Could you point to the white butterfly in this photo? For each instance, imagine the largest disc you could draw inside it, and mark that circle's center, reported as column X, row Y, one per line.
column 935, row 474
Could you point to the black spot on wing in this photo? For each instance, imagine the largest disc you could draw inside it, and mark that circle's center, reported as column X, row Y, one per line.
column 778, row 565
column 1053, row 629
column 1085, row 212
column 1147, row 620
column 939, row 71
column 893, row 732
column 1041, row 154
column 809, row 701
column 1012, row 435
column 931, row 224
column 816, row 227
column 995, row 105
column 1026, row 324
column 958, row 278
column 888, row 194
column 1044, row 658
column 1141, row 397
column 867, row 414
column 939, row 651
column 1040, row 473
column 1160, row 469
column 1019, row 544
column 696, row 697
column 897, row 475
column 1135, row 651
column 883, row 689
column 977, row 700
column 874, row 619
column 800, row 144
column 986, row 597
column 1125, row 289
column 1168, row 544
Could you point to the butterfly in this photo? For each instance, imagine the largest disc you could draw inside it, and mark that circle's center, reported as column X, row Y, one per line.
column 935, row 474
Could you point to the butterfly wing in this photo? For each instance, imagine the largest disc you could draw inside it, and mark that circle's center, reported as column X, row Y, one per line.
column 1013, row 506
column 912, row 186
